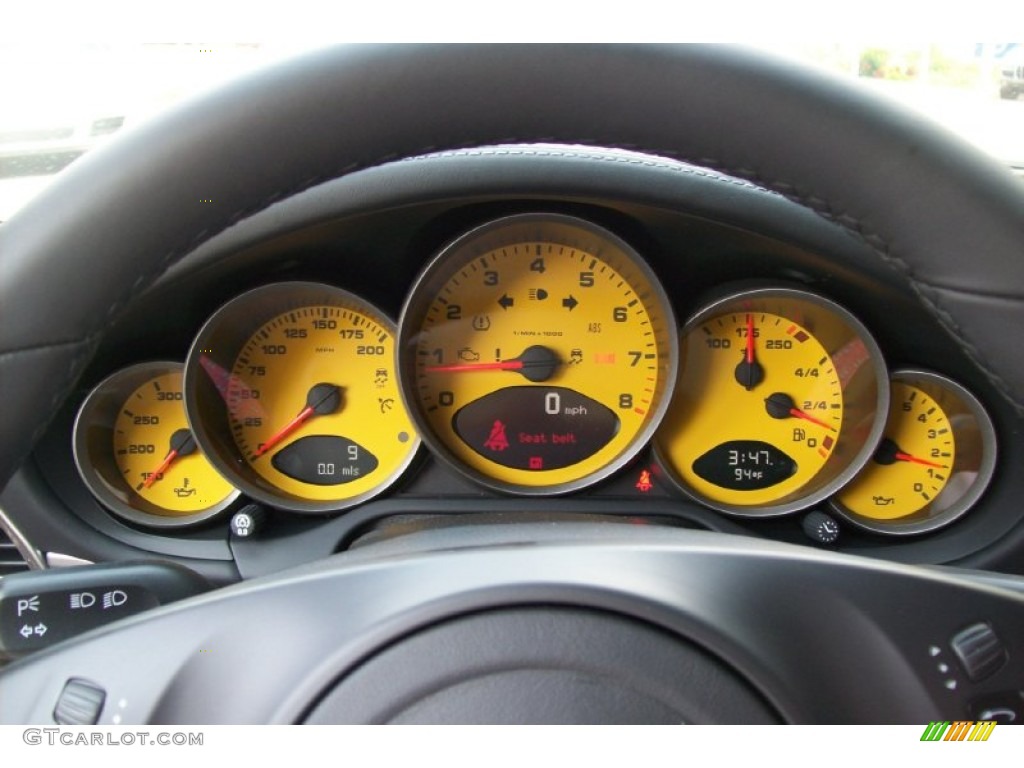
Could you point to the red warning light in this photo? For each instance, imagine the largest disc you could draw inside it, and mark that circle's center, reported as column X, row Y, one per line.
column 536, row 462
column 497, row 441
column 644, row 484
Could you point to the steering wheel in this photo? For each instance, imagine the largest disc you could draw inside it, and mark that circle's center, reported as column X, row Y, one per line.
column 349, row 634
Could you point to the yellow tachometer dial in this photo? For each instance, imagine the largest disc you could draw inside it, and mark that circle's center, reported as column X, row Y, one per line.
column 935, row 459
column 293, row 388
column 780, row 399
column 537, row 353
column 136, row 452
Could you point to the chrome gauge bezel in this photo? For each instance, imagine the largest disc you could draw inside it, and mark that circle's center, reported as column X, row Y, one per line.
column 758, row 298
column 92, row 447
column 921, row 522
column 224, row 334
column 506, row 232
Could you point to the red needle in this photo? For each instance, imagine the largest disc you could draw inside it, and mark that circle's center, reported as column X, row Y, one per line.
column 750, row 340
column 286, row 430
column 154, row 476
column 749, row 373
column 537, row 363
column 504, row 365
column 323, row 398
column 182, row 444
column 907, row 457
column 807, row 417
column 780, row 405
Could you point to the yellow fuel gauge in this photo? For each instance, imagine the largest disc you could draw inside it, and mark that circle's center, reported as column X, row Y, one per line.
column 934, row 462
column 135, row 451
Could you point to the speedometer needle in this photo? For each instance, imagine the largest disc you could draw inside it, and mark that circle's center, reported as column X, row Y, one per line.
column 536, row 363
column 781, row 406
column 321, row 400
column 749, row 373
column 182, row 444
column 750, row 339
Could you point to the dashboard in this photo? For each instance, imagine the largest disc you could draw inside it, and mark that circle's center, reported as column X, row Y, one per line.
column 599, row 394
column 383, row 250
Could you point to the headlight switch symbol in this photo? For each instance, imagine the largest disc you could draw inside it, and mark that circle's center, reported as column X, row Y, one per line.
column 114, row 599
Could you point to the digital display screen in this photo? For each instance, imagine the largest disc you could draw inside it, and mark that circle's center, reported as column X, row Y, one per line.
column 745, row 465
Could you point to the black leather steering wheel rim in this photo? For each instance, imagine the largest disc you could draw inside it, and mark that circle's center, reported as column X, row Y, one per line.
column 93, row 242
column 925, row 204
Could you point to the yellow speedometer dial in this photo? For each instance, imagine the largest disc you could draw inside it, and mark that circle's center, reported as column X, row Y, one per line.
column 136, row 452
column 781, row 398
column 537, row 353
column 326, row 420
column 292, row 387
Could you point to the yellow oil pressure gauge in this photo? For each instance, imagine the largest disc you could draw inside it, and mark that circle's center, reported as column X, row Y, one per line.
column 135, row 451
column 936, row 459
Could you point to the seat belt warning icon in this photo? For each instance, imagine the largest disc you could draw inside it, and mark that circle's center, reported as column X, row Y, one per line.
column 497, row 441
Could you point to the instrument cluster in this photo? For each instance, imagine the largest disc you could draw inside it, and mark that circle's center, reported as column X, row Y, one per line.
column 536, row 354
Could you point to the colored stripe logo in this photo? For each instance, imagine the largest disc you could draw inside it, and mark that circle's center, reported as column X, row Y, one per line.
column 958, row 730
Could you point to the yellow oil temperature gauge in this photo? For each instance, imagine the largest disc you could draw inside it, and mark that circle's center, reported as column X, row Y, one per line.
column 292, row 392
column 135, row 451
column 932, row 465
column 781, row 398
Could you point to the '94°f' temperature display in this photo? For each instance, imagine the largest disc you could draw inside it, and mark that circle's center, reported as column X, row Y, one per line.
column 537, row 353
column 745, row 465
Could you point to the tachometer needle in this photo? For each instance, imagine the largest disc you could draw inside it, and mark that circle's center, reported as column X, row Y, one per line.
column 537, row 363
column 321, row 400
column 503, row 365
column 749, row 373
column 781, row 406
column 888, row 452
column 182, row 444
